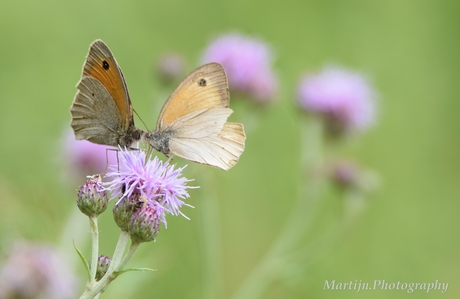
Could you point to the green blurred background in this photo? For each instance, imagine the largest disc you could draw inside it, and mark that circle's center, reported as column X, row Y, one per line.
column 409, row 230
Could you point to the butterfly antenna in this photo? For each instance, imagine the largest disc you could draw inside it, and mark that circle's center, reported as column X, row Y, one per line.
column 141, row 120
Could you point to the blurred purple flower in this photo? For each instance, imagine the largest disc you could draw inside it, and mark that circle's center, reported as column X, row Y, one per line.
column 248, row 63
column 345, row 98
column 170, row 66
column 158, row 183
column 81, row 157
column 35, row 271
column 345, row 173
column 350, row 175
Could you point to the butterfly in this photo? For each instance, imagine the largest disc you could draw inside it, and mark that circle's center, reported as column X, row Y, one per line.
column 192, row 123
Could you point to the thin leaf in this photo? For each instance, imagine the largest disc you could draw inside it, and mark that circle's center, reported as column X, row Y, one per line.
column 83, row 259
column 117, row 273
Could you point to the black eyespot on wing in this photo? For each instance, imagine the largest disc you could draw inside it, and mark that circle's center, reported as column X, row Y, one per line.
column 202, row 82
column 105, row 65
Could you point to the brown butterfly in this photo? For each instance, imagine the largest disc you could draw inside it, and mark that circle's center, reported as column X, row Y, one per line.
column 192, row 123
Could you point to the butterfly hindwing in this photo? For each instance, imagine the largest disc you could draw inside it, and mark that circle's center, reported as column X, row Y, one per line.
column 94, row 114
column 220, row 150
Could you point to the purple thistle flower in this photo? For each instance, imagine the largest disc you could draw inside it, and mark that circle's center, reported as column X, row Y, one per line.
column 247, row 62
column 158, row 183
column 345, row 98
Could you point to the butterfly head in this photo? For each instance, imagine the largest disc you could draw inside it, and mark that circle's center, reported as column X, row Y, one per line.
column 159, row 140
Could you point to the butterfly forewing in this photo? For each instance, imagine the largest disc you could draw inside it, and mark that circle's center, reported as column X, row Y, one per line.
column 205, row 87
column 101, row 64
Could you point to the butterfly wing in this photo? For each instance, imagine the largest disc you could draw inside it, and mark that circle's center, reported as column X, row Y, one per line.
column 95, row 116
column 192, row 123
column 205, row 87
column 101, row 65
column 221, row 149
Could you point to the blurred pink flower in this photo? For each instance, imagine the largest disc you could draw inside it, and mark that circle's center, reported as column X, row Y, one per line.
column 82, row 158
column 35, row 271
column 345, row 98
column 171, row 67
column 248, row 63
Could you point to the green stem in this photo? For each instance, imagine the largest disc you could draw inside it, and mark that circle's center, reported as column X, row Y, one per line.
column 132, row 250
column 297, row 223
column 212, row 243
column 117, row 260
column 337, row 232
column 119, row 250
column 94, row 249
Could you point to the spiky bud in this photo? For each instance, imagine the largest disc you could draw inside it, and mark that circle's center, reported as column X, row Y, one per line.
column 124, row 210
column 92, row 198
column 103, row 263
column 144, row 224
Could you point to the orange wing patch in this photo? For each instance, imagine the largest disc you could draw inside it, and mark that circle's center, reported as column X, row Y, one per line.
column 205, row 87
column 101, row 64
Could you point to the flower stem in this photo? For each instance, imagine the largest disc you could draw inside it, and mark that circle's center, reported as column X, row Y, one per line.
column 132, row 250
column 297, row 223
column 92, row 291
column 212, row 242
column 95, row 248
column 119, row 250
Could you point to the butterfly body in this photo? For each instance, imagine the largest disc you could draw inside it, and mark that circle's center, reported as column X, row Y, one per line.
column 159, row 140
column 192, row 123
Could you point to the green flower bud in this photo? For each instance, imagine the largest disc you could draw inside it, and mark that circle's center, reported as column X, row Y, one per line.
column 144, row 225
column 124, row 210
column 103, row 263
column 92, row 198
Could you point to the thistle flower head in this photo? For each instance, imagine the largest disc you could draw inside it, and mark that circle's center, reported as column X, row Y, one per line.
column 248, row 63
column 159, row 184
column 344, row 98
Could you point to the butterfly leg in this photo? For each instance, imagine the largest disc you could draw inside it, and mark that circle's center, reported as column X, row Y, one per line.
column 170, row 158
column 107, row 158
